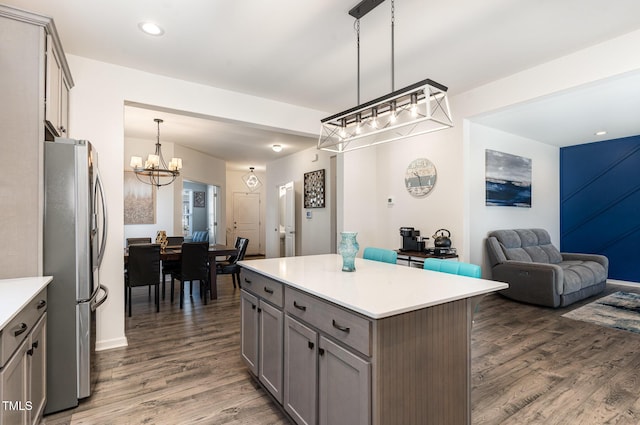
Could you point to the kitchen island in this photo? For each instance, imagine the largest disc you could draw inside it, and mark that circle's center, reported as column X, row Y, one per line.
column 384, row 344
column 23, row 348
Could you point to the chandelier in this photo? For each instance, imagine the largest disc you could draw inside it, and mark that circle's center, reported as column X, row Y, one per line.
column 417, row 109
column 156, row 172
column 251, row 180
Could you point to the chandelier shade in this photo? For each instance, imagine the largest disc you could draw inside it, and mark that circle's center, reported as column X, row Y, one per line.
column 420, row 108
column 417, row 109
column 155, row 171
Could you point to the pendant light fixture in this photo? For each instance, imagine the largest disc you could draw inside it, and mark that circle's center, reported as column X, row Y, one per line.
column 251, row 180
column 417, row 109
column 155, row 171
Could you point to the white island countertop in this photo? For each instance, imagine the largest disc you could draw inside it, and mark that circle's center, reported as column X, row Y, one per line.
column 15, row 294
column 376, row 290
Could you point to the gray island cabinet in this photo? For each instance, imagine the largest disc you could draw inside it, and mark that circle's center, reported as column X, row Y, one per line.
column 385, row 344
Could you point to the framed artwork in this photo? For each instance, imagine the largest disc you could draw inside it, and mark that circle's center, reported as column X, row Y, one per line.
column 139, row 201
column 420, row 177
column 508, row 179
column 198, row 199
column 314, row 189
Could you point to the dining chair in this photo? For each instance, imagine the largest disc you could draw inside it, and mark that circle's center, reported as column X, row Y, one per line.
column 137, row 241
column 231, row 266
column 452, row 267
column 380, row 254
column 194, row 265
column 143, row 270
column 169, row 266
column 174, row 241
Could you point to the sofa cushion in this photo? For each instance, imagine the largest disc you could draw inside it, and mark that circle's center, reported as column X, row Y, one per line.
column 529, row 245
column 580, row 274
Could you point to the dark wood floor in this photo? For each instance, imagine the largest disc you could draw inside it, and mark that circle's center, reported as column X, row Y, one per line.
column 530, row 366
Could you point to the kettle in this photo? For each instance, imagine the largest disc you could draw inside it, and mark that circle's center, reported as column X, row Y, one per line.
column 442, row 241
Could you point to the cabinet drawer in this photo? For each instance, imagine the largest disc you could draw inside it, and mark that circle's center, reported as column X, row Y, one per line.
column 18, row 329
column 263, row 287
column 343, row 325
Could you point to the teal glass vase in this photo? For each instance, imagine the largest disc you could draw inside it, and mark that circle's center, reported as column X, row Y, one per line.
column 348, row 249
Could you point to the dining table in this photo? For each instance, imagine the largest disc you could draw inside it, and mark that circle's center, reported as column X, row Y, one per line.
column 174, row 253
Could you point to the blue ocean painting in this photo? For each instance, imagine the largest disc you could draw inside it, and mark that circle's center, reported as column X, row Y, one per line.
column 508, row 179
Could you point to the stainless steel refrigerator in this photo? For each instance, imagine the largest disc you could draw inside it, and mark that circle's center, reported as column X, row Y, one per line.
column 74, row 240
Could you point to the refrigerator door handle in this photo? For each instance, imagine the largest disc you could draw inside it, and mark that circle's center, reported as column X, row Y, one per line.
column 92, row 298
column 98, row 303
column 103, row 242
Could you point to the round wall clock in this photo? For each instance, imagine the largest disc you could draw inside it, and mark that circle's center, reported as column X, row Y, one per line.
column 420, row 177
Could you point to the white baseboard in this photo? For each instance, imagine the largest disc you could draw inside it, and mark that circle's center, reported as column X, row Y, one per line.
column 624, row 283
column 110, row 344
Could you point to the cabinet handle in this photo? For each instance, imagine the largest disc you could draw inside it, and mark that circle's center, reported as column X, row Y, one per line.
column 311, row 345
column 340, row 328
column 259, row 310
column 253, row 306
column 41, row 304
column 300, row 307
column 34, row 345
column 22, row 329
column 247, row 280
column 321, row 351
column 30, row 351
column 268, row 290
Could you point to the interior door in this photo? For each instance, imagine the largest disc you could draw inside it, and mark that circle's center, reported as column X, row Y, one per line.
column 246, row 220
column 290, row 221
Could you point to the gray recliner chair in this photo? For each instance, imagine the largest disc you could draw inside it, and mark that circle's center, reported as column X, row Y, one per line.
column 538, row 273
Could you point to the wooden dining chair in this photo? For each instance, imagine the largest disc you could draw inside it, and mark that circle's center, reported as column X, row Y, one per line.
column 143, row 270
column 231, row 266
column 194, row 265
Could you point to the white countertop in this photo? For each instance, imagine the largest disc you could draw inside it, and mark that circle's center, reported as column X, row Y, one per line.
column 15, row 294
column 375, row 289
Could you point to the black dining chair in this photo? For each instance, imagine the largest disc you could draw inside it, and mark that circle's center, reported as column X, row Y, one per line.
column 231, row 266
column 137, row 241
column 169, row 266
column 143, row 270
column 134, row 241
column 194, row 265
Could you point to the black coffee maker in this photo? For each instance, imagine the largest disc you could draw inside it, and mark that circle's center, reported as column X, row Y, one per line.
column 411, row 239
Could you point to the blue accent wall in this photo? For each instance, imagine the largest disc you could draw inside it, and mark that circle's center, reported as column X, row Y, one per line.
column 600, row 203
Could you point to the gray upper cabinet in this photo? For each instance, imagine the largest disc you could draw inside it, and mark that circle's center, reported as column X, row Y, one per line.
column 24, row 40
column 56, row 92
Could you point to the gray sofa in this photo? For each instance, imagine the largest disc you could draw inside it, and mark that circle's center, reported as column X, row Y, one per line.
column 538, row 273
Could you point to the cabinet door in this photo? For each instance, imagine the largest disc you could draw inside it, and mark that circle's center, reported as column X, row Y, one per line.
column 14, row 388
column 300, row 371
column 249, row 330
column 64, row 107
column 38, row 368
column 271, row 346
column 52, row 83
column 344, row 386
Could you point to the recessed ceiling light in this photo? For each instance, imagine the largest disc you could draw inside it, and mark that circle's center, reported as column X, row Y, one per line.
column 600, row 133
column 276, row 148
column 150, row 28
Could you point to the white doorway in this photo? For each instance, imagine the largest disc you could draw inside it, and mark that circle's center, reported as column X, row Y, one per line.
column 246, row 220
column 287, row 220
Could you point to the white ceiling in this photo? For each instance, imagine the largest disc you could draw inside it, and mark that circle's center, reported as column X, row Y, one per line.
column 304, row 53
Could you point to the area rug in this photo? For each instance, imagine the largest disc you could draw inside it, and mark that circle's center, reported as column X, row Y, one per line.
column 620, row 310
